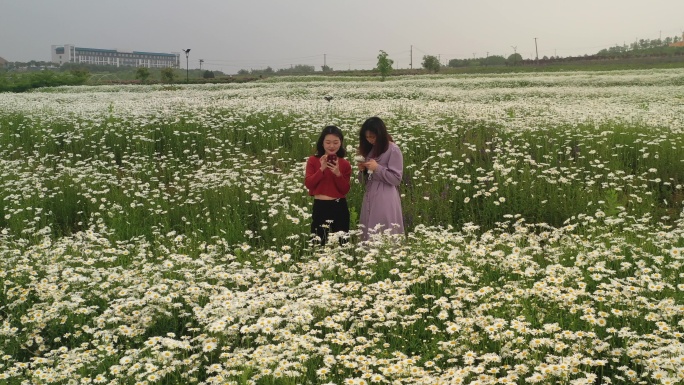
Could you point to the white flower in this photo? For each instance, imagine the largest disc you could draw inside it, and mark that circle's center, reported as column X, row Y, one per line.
column 361, row 158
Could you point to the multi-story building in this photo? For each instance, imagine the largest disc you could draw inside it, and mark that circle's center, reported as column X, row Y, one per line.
column 68, row 53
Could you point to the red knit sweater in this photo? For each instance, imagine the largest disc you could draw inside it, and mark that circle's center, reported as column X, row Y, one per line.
column 325, row 182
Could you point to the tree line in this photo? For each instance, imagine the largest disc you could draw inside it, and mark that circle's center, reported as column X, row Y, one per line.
column 21, row 82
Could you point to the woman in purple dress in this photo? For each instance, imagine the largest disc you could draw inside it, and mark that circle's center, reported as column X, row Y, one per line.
column 381, row 166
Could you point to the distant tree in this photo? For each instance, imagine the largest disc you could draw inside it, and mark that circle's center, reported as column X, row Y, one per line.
column 243, row 72
column 168, row 75
column 80, row 75
column 514, row 59
column 495, row 60
column 297, row 69
column 326, row 68
column 208, row 74
column 304, row 68
column 142, row 73
column 431, row 63
column 453, row 63
column 384, row 64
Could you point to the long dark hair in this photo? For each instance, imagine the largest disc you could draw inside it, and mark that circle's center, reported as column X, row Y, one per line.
column 330, row 130
column 382, row 138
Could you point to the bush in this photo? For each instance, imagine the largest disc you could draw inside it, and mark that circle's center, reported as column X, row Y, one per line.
column 13, row 82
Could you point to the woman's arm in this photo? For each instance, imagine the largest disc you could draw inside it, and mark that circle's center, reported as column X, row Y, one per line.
column 314, row 175
column 393, row 172
column 342, row 181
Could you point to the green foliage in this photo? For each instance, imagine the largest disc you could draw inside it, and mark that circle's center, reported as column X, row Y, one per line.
column 494, row 60
column 80, row 75
column 298, row 69
column 21, row 82
column 644, row 47
column 142, row 73
column 431, row 63
column 30, row 64
column 168, row 75
column 261, row 72
column 384, row 64
column 514, row 59
column 208, row 74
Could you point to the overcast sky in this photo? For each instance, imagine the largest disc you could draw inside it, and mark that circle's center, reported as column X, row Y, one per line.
column 230, row 35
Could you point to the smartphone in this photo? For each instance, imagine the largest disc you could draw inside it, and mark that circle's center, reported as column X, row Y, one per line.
column 332, row 158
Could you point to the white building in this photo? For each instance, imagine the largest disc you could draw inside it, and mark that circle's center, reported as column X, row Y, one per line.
column 68, row 53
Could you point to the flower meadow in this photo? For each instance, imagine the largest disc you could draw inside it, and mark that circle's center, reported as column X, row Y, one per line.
column 160, row 235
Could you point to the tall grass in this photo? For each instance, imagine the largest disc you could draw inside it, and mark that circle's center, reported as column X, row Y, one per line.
column 222, row 178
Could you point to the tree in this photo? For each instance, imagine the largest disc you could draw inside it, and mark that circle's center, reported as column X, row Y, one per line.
column 208, row 74
column 142, row 73
column 297, row 69
column 431, row 63
column 326, row 68
column 495, row 60
column 384, row 64
column 80, row 75
column 243, row 72
column 167, row 75
column 514, row 59
column 453, row 63
column 304, row 68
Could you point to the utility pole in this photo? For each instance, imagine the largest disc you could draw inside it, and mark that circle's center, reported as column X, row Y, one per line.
column 187, row 65
column 515, row 51
column 201, row 61
column 411, row 62
column 536, row 50
column 324, row 62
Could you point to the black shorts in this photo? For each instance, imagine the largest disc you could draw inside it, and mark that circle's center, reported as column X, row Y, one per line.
column 329, row 217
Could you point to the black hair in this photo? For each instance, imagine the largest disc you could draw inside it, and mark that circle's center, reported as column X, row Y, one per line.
column 382, row 138
column 330, row 130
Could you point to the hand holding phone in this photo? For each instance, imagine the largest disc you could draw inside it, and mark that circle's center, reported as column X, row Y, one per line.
column 331, row 158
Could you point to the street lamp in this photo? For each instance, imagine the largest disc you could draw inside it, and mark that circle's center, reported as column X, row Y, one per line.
column 187, row 65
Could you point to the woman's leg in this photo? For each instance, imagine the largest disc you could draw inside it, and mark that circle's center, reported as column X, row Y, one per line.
column 320, row 220
column 341, row 218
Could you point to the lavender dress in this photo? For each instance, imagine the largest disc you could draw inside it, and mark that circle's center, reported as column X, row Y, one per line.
column 381, row 202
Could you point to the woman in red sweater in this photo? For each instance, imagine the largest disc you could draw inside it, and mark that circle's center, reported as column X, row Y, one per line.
column 327, row 178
